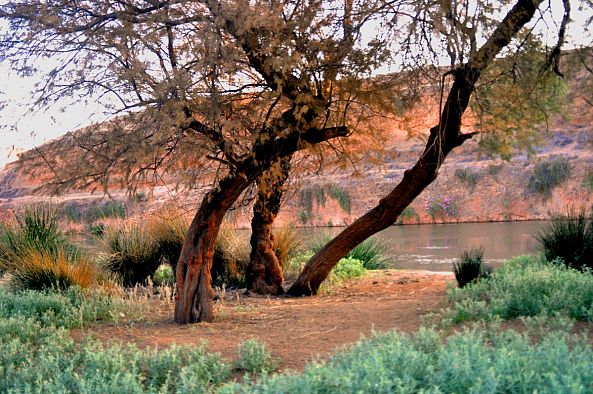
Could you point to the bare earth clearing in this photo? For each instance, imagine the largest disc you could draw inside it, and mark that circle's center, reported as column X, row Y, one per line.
column 296, row 330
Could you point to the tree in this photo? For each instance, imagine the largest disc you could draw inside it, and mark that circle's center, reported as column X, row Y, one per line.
column 447, row 134
column 242, row 84
column 264, row 273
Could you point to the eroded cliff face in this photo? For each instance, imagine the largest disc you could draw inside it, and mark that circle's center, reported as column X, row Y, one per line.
column 470, row 187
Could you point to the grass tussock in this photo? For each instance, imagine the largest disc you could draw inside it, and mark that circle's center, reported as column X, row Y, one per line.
column 287, row 244
column 371, row 252
column 37, row 254
column 569, row 237
column 39, row 270
column 131, row 253
column 470, row 267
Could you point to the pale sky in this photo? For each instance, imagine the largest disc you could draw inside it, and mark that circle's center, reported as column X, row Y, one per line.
column 38, row 127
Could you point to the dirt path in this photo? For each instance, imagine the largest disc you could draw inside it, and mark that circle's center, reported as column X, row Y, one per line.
column 296, row 330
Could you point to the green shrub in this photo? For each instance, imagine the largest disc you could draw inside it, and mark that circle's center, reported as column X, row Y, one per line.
column 41, row 359
column 570, row 238
column 548, row 175
column 372, row 252
column 427, row 362
column 164, row 275
column 296, row 264
column 525, row 286
column 348, row 268
column 254, row 357
column 71, row 308
column 470, row 267
column 467, row 177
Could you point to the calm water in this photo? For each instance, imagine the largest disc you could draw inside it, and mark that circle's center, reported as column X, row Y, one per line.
column 435, row 247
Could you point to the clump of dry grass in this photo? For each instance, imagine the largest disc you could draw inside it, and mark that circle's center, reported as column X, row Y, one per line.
column 288, row 243
column 37, row 255
column 41, row 269
column 131, row 253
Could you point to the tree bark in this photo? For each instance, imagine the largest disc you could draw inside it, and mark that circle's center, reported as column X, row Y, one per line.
column 443, row 138
column 264, row 272
column 194, row 288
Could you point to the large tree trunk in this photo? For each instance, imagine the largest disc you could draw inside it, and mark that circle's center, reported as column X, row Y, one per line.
column 443, row 138
column 194, row 298
column 264, row 272
column 194, row 289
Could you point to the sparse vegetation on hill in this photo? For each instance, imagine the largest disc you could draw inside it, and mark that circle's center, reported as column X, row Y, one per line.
column 548, row 175
column 467, row 177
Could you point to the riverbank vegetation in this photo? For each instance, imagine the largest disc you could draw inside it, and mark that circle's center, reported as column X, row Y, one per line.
column 544, row 298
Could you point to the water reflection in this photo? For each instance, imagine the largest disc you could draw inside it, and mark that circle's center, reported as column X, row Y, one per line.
column 435, row 247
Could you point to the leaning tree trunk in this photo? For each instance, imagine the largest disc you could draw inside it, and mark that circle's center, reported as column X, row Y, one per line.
column 194, row 289
column 443, row 138
column 264, row 272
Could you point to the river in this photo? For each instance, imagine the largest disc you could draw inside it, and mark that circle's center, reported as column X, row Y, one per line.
column 435, row 247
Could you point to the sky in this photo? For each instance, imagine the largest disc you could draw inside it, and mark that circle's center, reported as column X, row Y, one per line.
column 35, row 128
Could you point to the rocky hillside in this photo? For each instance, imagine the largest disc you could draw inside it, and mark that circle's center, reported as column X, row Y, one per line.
column 470, row 186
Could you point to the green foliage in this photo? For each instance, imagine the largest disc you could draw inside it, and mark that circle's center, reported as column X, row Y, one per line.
column 69, row 309
column 371, row 252
column 548, row 175
column 348, row 268
column 470, row 267
column 441, row 209
column 296, row 264
column 164, row 275
column 525, row 286
column 318, row 194
column 569, row 238
column 52, row 362
column 255, row 358
column 428, row 362
column 467, row 177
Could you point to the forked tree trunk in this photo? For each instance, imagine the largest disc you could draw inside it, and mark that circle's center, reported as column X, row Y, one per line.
column 443, row 138
column 264, row 272
column 193, row 301
column 194, row 298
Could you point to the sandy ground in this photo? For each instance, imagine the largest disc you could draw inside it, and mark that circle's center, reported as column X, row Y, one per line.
column 296, row 330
